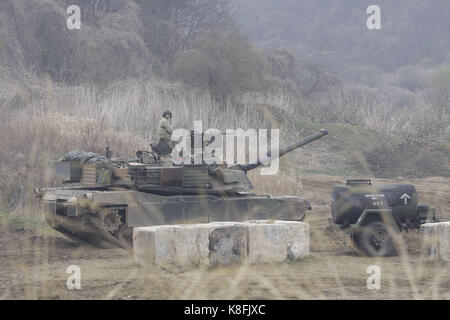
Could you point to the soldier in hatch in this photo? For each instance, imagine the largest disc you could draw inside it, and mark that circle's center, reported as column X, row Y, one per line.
column 165, row 133
column 165, row 144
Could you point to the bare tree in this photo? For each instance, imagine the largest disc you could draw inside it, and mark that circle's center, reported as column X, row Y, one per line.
column 172, row 24
column 440, row 99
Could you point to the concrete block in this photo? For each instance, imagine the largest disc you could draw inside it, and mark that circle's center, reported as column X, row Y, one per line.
column 228, row 245
column 267, row 242
column 298, row 239
column 276, row 241
column 220, row 243
column 171, row 245
column 190, row 245
column 436, row 240
column 149, row 244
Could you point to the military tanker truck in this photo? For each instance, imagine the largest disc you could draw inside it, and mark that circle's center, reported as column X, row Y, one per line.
column 102, row 199
column 374, row 215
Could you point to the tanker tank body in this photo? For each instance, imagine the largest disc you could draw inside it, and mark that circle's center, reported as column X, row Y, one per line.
column 375, row 214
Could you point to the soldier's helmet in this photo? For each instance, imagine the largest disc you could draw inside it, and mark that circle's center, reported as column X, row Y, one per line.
column 167, row 112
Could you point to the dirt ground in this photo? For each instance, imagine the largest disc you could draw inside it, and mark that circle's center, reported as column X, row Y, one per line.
column 33, row 264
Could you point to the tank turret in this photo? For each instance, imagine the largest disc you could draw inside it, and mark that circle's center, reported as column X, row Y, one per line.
column 202, row 178
column 147, row 174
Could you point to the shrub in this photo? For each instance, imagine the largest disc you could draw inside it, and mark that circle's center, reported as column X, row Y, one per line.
column 225, row 64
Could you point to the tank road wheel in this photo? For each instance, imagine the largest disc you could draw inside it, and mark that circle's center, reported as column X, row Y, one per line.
column 111, row 229
column 374, row 240
column 81, row 238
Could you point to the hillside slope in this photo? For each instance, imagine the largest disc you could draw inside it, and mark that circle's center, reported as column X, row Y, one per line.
column 351, row 150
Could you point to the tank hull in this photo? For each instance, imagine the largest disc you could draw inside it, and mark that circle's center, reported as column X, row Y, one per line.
column 105, row 217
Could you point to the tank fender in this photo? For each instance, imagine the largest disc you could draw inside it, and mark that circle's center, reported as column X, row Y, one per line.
column 388, row 216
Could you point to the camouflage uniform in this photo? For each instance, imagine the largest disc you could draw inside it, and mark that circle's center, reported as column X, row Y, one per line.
column 165, row 133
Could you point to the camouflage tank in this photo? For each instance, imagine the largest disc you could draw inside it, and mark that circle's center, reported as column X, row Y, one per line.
column 102, row 199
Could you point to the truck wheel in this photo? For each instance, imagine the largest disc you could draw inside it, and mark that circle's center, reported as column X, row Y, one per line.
column 375, row 240
column 355, row 236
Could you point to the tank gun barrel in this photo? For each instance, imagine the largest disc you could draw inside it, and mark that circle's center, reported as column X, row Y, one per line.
column 287, row 149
